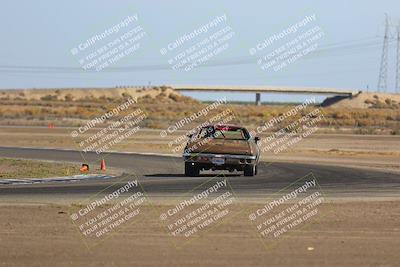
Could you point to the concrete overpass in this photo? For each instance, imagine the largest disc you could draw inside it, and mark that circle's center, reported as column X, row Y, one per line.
column 266, row 89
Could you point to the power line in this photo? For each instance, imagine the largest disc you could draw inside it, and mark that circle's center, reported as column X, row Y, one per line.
column 349, row 47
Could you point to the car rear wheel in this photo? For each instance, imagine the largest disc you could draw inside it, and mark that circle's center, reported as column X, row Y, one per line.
column 191, row 169
column 250, row 170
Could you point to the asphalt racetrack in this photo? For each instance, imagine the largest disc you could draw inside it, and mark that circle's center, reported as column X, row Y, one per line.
column 163, row 176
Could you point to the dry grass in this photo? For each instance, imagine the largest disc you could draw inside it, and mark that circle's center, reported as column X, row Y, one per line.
column 18, row 168
column 164, row 107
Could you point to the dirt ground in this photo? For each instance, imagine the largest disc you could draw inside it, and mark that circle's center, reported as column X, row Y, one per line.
column 346, row 233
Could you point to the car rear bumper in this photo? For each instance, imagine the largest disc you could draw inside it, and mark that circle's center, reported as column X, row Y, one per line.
column 206, row 161
column 227, row 156
column 219, row 161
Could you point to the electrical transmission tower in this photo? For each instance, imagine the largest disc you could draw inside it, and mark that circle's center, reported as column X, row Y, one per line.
column 398, row 60
column 383, row 72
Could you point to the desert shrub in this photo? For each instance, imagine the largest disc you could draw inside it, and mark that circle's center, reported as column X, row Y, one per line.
column 162, row 95
column 390, row 118
column 69, row 97
column 126, row 95
column 49, row 98
column 367, row 130
column 259, row 114
column 395, row 131
column 28, row 112
column 379, row 104
column 340, row 115
column 175, row 97
column 45, row 110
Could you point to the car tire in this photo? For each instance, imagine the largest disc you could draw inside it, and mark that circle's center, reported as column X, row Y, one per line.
column 250, row 170
column 191, row 170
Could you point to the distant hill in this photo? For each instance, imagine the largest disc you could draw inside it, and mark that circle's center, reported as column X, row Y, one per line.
column 163, row 94
column 364, row 100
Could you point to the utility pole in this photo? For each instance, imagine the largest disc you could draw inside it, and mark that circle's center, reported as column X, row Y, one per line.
column 398, row 60
column 382, row 81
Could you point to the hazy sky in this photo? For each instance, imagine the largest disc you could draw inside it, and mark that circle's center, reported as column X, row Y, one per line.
column 42, row 33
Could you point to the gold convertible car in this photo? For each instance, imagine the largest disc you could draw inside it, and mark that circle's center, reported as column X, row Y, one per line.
column 221, row 147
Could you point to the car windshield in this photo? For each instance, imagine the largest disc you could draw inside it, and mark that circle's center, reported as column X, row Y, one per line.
column 224, row 132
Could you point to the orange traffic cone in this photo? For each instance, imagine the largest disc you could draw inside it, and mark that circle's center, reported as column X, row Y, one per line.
column 84, row 168
column 103, row 165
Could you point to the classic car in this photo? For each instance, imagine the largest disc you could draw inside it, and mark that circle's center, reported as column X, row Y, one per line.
column 221, row 147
